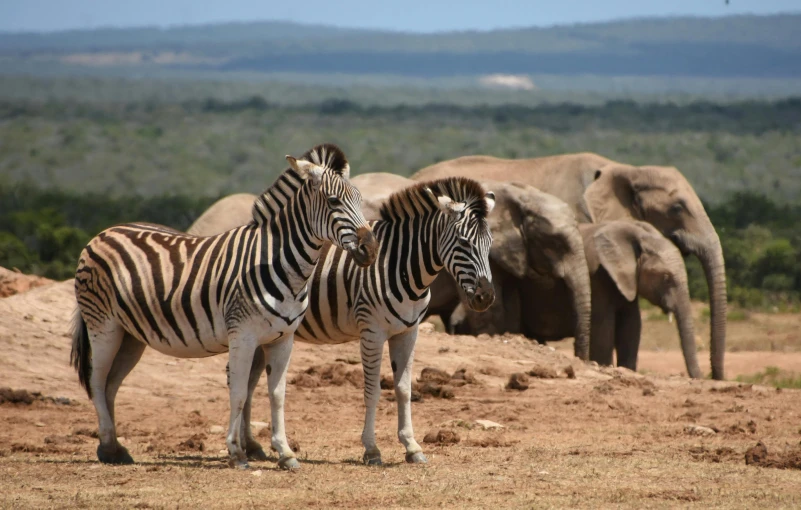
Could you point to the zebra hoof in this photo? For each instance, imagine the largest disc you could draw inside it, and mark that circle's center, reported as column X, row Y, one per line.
column 236, row 462
column 372, row 459
column 114, row 455
column 416, row 458
column 289, row 463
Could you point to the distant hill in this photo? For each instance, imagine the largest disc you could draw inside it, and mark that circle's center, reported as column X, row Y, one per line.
column 736, row 46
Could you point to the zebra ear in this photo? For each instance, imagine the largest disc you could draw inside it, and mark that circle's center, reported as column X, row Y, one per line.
column 455, row 209
column 490, row 199
column 307, row 170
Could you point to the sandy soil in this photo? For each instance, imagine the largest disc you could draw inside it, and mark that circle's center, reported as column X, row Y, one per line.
column 607, row 438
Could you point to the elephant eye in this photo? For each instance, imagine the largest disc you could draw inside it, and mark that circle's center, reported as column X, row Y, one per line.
column 677, row 208
column 334, row 201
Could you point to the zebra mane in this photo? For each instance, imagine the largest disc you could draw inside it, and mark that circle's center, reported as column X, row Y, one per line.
column 407, row 201
column 271, row 200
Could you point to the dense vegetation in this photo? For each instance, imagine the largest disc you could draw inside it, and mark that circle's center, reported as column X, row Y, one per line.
column 213, row 147
column 43, row 232
column 78, row 155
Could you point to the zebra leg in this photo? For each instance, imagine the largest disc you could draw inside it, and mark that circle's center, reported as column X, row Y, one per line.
column 240, row 360
column 105, row 346
column 126, row 359
column 278, row 355
column 371, row 350
column 401, row 354
column 252, row 447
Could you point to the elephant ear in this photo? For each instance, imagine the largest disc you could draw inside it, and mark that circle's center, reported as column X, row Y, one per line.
column 617, row 253
column 611, row 196
column 508, row 248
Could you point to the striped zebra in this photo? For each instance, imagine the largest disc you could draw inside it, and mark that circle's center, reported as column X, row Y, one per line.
column 242, row 291
column 424, row 228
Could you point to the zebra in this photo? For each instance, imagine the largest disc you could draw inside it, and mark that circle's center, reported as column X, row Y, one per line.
column 187, row 296
column 424, row 228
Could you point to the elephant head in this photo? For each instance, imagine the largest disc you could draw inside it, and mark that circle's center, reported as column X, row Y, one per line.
column 662, row 197
column 535, row 236
column 641, row 261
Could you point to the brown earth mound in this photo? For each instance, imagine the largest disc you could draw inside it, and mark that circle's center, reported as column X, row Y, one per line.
column 601, row 438
column 15, row 282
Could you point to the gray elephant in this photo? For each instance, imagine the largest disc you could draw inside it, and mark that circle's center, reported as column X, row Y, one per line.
column 627, row 260
column 223, row 215
column 536, row 252
column 599, row 189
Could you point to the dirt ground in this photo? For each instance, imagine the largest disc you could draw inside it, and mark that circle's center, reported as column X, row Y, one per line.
column 606, row 438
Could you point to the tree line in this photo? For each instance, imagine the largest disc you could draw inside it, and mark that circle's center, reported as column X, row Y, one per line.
column 43, row 232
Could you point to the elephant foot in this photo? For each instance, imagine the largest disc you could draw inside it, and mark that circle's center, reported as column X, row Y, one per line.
column 372, row 458
column 416, row 458
column 256, row 452
column 289, row 463
column 114, row 454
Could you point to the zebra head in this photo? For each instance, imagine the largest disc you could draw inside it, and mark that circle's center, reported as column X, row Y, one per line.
column 335, row 205
column 464, row 244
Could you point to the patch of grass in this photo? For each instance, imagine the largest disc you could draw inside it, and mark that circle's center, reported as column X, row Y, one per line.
column 773, row 376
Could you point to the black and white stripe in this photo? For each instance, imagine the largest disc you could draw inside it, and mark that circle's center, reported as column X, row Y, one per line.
column 424, row 228
column 189, row 296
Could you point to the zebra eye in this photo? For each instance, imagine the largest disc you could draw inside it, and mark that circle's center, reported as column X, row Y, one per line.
column 334, row 201
column 464, row 241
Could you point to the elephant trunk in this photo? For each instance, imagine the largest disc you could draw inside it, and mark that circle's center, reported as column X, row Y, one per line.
column 715, row 271
column 577, row 279
column 684, row 321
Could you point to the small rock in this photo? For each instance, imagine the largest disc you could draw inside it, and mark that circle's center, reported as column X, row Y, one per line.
column 349, row 361
column 435, row 375
column 466, row 375
column 756, row 454
column 752, row 427
column 257, row 426
column 216, row 429
column 425, row 327
column 39, row 424
column 570, row 372
column 488, row 425
column 257, row 472
column 387, row 382
column 517, row 381
column 648, row 392
column 698, row 430
column 442, row 436
column 543, row 372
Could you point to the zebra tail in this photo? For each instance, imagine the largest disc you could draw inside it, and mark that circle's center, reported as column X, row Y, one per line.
column 81, row 354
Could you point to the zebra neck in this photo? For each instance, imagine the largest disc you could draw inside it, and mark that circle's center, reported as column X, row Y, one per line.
column 409, row 246
column 289, row 246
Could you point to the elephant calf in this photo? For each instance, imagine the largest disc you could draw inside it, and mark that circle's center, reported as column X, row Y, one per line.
column 626, row 259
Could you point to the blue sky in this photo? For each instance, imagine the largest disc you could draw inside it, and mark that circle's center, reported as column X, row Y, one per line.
column 409, row 15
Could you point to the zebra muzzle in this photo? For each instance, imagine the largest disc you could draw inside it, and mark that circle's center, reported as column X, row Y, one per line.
column 482, row 296
column 364, row 251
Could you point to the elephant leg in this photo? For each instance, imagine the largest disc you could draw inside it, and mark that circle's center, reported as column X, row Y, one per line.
column 627, row 336
column 602, row 337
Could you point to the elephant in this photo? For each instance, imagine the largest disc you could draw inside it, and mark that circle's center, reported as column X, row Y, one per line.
column 536, row 251
column 224, row 214
column 600, row 189
column 626, row 260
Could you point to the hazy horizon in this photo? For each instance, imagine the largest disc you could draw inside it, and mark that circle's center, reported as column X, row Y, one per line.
column 410, row 16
